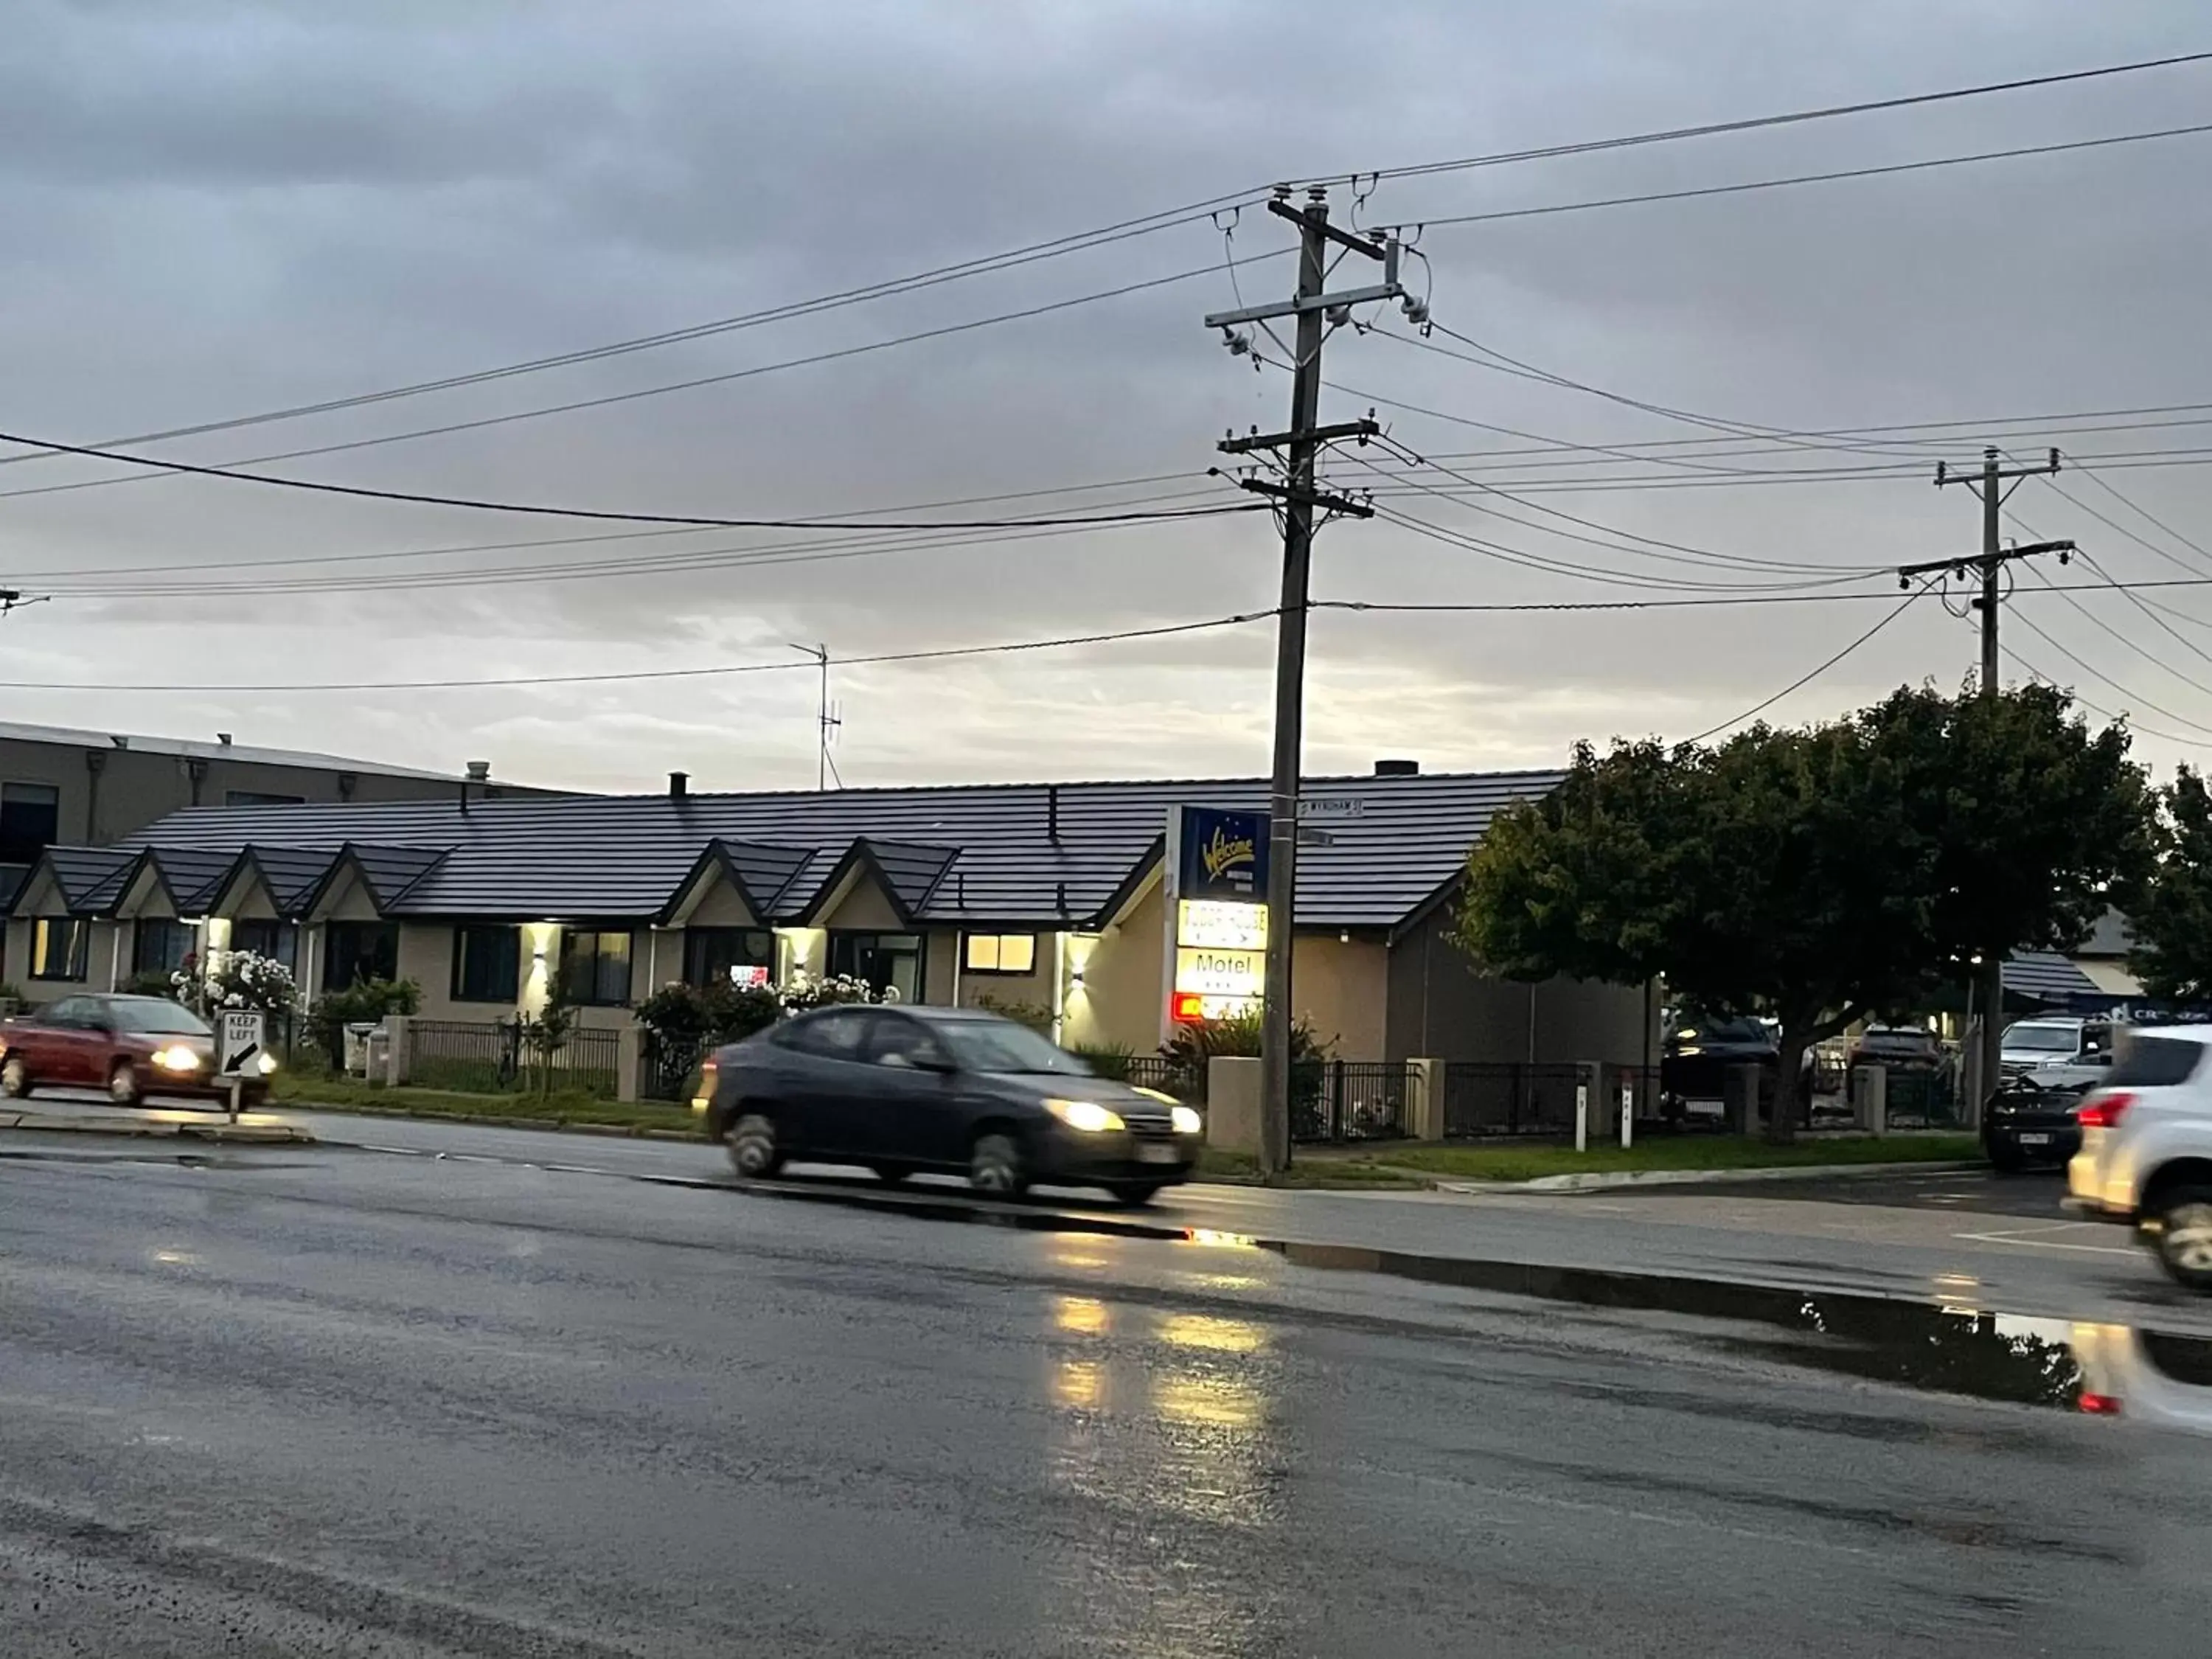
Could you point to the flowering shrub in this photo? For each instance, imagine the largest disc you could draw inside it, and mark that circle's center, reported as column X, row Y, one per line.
column 802, row 991
column 235, row 979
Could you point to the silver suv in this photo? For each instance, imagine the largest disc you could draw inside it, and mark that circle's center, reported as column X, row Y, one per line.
column 2145, row 1155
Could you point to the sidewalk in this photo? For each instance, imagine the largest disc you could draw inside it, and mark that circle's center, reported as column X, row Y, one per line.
column 74, row 1117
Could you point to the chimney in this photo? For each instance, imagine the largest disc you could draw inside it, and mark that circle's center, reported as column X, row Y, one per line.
column 679, row 785
column 479, row 770
column 1397, row 769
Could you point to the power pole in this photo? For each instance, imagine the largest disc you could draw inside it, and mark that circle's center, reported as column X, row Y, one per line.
column 1315, row 309
column 1990, row 483
column 825, row 720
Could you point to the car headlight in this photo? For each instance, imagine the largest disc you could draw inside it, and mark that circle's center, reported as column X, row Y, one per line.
column 1087, row 1116
column 177, row 1059
column 1186, row 1121
column 268, row 1064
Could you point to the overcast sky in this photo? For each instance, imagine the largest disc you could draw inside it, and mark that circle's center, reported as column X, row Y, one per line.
column 217, row 210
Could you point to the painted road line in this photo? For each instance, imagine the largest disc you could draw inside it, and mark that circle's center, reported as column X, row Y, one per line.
column 2023, row 1238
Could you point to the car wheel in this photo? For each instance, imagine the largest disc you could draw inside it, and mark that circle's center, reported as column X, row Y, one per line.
column 123, row 1084
column 15, row 1077
column 2184, row 1237
column 753, row 1153
column 1135, row 1193
column 995, row 1164
column 2005, row 1159
column 892, row 1174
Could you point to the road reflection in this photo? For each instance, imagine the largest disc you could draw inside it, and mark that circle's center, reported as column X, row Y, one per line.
column 1162, row 1440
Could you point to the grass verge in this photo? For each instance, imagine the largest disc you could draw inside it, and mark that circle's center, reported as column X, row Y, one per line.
column 563, row 1109
column 1360, row 1169
column 1676, row 1153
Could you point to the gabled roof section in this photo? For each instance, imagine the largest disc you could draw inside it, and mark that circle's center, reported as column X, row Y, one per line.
column 192, row 876
column 2047, row 975
column 1030, row 854
column 908, row 874
column 293, row 875
column 91, row 878
column 392, row 872
column 763, row 875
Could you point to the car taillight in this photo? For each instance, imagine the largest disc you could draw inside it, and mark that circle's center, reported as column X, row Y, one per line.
column 2100, row 1405
column 2103, row 1111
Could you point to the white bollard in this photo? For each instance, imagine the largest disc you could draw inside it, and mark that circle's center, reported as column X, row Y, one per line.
column 1627, row 1115
column 1582, row 1117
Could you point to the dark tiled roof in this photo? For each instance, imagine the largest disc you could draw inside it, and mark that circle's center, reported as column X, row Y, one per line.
column 91, row 878
column 764, row 875
column 2047, row 975
column 292, row 874
column 971, row 854
column 391, row 872
column 193, row 875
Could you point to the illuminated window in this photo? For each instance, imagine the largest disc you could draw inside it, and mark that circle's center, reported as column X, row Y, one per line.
column 1000, row 953
column 59, row 945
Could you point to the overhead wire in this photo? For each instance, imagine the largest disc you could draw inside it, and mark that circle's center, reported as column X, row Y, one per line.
column 1806, row 679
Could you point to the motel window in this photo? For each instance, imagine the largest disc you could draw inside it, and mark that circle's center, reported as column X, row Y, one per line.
column 595, row 966
column 160, row 946
column 30, row 820
column 265, row 937
column 360, row 952
column 59, row 947
column 998, row 953
column 729, row 955
column 487, row 964
column 890, row 962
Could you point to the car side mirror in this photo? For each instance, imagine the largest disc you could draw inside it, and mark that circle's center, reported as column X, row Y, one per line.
column 940, row 1064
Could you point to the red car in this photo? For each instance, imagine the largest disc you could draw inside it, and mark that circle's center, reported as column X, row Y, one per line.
column 131, row 1047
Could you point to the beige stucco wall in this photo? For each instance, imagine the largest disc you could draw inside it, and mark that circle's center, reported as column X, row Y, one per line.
column 940, row 949
column 1337, row 988
column 720, row 906
column 1122, row 999
column 347, row 898
column 863, row 907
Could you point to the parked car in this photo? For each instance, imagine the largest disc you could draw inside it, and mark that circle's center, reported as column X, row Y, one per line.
column 2028, row 1123
column 1903, row 1047
column 904, row 1090
column 2058, row 1052
column 1698, row 1056
column 2146, row 1157
column 131, row 1047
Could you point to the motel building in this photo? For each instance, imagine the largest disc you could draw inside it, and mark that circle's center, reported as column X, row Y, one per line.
column 1062, row 896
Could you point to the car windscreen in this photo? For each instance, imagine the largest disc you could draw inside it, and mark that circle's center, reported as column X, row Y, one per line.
column 160, row 1018
column 2152, row 1062
column 1724, row 1030
column 993, row 1045
column 2043, row 1039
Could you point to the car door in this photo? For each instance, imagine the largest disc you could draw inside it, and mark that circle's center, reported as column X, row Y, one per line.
column 915, row 1112
column 60, row 1049
column 825, row 1073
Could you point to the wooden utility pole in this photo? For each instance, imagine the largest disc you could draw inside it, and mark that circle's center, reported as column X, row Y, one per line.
column 1990, row 482
column 1315, row 310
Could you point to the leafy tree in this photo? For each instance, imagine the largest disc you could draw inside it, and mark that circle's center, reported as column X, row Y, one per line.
column 1818, row 874
column 2172, row 912
column 544, row 1032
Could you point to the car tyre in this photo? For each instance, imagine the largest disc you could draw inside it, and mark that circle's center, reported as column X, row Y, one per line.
column 2007, row 1159
column 2184, row 1237
column 1135, row 1194
column 996, row 1166
column 15, row 1077
column 891, row 1174
column 123, row 1084
column 755, row 1153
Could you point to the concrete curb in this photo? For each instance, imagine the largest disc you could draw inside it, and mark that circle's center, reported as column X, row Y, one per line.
column 1600, row 1180
column 176, row 1126
column 544, row 1125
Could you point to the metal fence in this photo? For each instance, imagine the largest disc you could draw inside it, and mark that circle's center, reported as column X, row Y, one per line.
column 1339, row 1100
column 1923, row 1097
column 1164, row 1072
column 491, row 1057
column 669, row 1065
column 1485, row 1097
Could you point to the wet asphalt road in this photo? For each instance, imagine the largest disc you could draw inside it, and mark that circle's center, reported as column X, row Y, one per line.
column 325, row 1401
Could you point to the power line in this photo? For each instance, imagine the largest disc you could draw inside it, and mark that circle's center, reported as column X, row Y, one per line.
column 937, row 654
column 1807, row 679
column 325, row 487
column 1792, row 118
column 2098, row 673
column 1692, row 192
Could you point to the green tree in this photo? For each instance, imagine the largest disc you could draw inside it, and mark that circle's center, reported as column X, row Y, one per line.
column 2172, row 911
column 1816, row 875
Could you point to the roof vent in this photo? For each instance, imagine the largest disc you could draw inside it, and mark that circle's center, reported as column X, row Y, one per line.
column 119, row 740
column 479, row 770
column 679, row 785
column 1397, row 769
column 223, row 738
